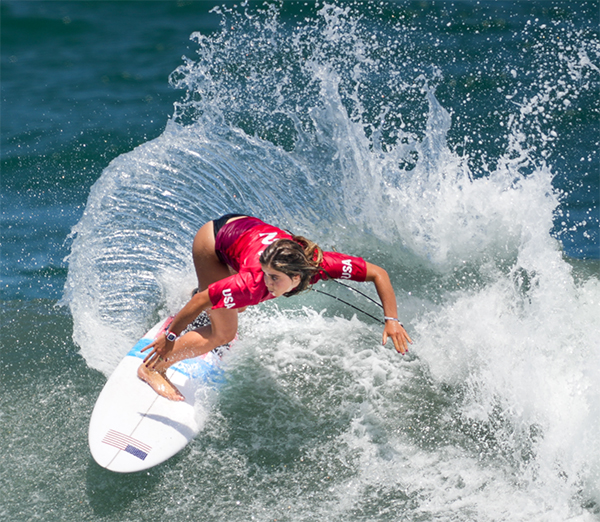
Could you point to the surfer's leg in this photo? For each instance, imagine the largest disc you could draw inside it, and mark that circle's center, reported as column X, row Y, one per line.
column 222, row 330
column 223, row 327
column 160, row 383
column 209, row 267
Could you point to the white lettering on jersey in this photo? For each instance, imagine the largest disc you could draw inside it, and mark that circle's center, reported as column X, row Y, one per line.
column 269, row 238
column 346, row 269
column 227, row 298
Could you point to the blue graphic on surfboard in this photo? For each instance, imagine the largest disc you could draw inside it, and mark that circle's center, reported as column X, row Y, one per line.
column 132, row 428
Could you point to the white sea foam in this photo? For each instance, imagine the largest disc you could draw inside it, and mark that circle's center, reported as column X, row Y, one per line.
column 494, row 415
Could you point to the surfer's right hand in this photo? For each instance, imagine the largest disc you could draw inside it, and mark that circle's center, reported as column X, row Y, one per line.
column 160, row 348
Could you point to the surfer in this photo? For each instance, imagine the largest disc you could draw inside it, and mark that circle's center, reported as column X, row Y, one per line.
column 241, row 261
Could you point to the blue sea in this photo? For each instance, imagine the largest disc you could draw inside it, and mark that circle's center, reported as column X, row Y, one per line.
column 455, row 143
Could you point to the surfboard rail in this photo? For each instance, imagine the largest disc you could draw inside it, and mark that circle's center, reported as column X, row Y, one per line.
column 132, row 428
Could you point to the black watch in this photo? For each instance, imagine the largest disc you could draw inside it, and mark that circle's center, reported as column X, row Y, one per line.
column 171, row 336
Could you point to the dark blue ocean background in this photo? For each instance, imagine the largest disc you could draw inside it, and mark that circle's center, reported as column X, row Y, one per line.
column 455, row 143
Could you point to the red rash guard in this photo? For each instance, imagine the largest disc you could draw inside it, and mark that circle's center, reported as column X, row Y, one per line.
column 247, row 287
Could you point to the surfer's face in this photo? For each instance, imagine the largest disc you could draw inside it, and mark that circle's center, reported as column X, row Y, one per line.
column 279, row 283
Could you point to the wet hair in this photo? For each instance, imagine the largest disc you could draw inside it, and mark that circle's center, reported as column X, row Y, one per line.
column 294, row 257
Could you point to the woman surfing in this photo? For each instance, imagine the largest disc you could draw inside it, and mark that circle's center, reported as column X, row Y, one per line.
column 241, row 261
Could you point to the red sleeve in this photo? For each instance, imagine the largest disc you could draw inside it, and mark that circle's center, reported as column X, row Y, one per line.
column 239, row 290
column 342, row 266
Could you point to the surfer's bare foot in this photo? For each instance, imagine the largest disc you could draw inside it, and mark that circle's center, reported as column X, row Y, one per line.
column 160, row 383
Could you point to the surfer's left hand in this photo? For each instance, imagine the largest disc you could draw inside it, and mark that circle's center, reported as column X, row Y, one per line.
column 395, row 331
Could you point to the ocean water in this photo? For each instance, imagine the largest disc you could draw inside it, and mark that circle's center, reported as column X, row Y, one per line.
column 454, row 143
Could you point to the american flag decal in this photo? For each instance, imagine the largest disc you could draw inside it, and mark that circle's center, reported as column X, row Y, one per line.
column 129, row 444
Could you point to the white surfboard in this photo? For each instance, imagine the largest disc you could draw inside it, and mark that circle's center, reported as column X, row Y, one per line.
column 132, row 428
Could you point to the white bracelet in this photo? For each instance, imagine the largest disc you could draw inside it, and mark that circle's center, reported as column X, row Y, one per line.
column 393, row 319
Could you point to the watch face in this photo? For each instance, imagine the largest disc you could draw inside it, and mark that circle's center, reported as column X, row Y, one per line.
column 171, row 336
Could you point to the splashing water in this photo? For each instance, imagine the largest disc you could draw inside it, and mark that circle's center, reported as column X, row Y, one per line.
column 335, row 130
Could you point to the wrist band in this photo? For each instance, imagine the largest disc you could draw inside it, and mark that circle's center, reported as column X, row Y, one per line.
column 393, row 319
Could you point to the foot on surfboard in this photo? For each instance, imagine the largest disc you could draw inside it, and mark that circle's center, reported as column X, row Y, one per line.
column 160, row 383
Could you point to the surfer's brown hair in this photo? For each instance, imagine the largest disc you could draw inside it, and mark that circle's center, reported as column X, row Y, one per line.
column 294, row 257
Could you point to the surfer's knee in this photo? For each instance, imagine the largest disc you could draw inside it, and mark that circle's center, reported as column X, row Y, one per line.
column 204, row 339
column 224, row 336
column 224, row 325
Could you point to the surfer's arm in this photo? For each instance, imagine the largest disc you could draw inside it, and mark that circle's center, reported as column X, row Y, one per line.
column 199, row 302
column 161, row 347
column 393, row 329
